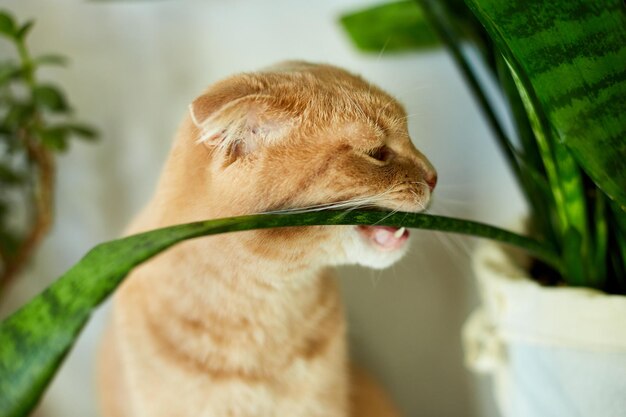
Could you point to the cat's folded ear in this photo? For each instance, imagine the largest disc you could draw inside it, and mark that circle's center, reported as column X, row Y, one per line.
column 239, row 126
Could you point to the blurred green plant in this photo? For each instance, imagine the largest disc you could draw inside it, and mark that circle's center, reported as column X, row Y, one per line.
column 35, row 123
column 390, row 27
column 561, row 65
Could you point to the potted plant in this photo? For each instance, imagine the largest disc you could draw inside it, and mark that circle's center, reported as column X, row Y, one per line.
column 576, row 229
column 553, row 336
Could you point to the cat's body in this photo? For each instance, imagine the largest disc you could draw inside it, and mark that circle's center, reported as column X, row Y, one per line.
column 251, row 323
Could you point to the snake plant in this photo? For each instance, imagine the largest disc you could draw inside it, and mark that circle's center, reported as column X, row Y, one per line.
column 561, row 65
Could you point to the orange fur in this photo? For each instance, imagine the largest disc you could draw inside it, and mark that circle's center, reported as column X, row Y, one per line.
column 251, row 323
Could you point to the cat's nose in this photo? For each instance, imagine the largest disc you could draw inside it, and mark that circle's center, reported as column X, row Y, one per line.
column 425, row 170
column 431, row 179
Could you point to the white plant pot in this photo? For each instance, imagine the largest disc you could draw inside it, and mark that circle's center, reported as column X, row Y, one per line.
column 552, row 351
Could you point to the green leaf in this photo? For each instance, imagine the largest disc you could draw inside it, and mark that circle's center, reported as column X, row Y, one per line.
column 570, row 55
column 7, row 24
column 8, row 176
column 573, row 259
column 4, row 209
column 8, row 72
column 10, row 142
column 616, row 261
column 567, row 197
column 574, row 199
column 601, row 239
column 23, row 31
column 530, row 154
column 540, row 197
column 35, row 339
column 50, row 98
column 9, row 243
column 390, row 27
column 54, row 138
column 50, row 60
column 532, row 172
column 18, row 115
column 82, row 131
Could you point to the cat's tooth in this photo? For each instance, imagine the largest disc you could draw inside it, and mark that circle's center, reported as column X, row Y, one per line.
column 399, row 232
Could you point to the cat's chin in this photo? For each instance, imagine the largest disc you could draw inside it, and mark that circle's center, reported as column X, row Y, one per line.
column 376, row 247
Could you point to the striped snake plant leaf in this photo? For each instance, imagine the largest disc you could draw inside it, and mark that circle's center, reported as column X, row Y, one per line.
column 571, row 55
column 532, row 170
column 36, row 338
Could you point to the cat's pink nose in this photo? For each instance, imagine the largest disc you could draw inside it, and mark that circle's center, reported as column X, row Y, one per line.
column 431, row 180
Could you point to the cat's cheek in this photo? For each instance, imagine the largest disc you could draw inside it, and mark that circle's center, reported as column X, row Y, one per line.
column 361, row 252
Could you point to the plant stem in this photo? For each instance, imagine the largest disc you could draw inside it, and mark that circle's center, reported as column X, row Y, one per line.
column 27, row 62
column 43, row 199
column 444, row 29
column 43, row 193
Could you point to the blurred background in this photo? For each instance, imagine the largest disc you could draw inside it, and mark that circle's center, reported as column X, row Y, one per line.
column 135, row 66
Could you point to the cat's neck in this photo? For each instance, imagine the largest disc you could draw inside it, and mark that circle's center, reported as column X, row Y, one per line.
column 218, row 307
column 225, row 273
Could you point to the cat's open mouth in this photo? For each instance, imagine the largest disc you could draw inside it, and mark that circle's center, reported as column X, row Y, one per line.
column 385, row 238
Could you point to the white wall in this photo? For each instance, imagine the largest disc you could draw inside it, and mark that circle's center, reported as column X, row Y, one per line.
column 134, row 67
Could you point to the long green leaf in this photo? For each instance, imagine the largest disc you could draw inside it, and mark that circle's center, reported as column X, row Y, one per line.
column 8, row 26
column 35, row 339
column 565, row 183
column 601, row 238
column 572, row 53
column 532, row 171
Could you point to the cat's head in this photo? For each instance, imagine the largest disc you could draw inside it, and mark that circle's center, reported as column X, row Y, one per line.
column 300, row 135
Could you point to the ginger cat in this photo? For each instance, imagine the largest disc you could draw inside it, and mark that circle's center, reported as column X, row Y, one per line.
column 250, row 324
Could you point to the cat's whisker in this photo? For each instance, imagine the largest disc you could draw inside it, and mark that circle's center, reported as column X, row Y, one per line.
column 380, row 110
column 460, row 244
column 365, row 201
column 356, row 105
column 380, row 54
column 382, row 51
column 313, row 207
column 374, row 201
column 374, row 278
column 454, row 187
column 406, row 118
column 452, row 250
column 423, row 206
column 351, row 203
column 441, row 209
column 391, row 213
column 460, row 241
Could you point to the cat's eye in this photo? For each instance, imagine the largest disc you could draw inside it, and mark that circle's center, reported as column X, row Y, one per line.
column 382, row 153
